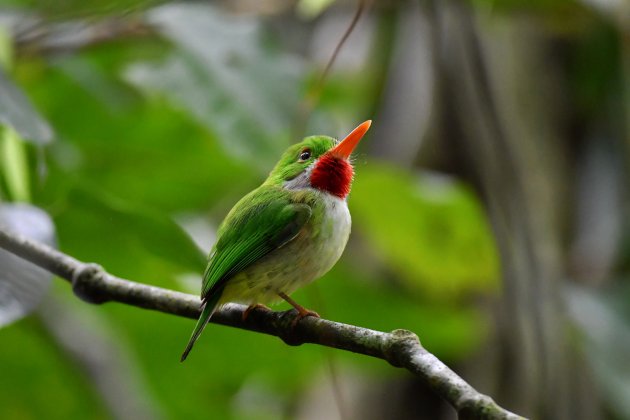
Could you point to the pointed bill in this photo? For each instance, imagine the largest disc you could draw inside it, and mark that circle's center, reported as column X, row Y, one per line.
column 347, row 145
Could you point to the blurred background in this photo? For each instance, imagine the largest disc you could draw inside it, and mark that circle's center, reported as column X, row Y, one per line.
column 490, row 205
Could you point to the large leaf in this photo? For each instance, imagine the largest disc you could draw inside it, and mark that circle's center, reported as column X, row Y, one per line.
column 140, row 151
column 16, row 111
column 128, row 240
column 22, row 284
column 225, row 77
column 429, row 229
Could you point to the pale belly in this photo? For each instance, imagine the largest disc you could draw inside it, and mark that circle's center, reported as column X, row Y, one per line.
column 304, row 259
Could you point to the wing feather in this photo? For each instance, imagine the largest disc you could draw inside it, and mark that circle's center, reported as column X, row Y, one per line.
column 260, row 223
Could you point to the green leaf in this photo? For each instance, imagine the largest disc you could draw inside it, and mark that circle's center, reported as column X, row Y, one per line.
column 38, row 381
column 223, row 75
column 14, row 165
column 6, row 49
column 362, row 298
column 312, row 8
column 127, row 239
column 430, row 230
column 16, row 111
column 142, row 151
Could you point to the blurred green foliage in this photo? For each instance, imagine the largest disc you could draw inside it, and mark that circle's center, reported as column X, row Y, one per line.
column 147, row 130
column 39, row 381
column 429, row 229
column 16, row 173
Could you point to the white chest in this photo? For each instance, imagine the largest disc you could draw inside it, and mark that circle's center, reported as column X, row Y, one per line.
column 335, row 231
column 304, row 259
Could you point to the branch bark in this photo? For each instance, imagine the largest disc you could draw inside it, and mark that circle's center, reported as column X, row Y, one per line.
column 401, row 348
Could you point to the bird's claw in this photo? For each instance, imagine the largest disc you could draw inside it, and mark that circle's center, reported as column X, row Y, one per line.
column 303, row 314
column 255, row 306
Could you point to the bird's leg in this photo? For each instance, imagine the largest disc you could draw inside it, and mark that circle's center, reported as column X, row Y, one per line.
column 302, row 312
column 250, row 308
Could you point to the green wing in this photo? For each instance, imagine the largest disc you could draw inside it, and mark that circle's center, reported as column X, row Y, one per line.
column 261, row 222
column 264, row 220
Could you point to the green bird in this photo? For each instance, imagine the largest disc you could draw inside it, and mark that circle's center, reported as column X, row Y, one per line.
column 286, row 233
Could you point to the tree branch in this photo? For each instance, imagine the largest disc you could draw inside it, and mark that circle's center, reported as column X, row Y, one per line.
column 400, row 348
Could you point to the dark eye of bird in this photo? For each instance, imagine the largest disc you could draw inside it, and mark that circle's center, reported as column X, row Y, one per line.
column 305, row 155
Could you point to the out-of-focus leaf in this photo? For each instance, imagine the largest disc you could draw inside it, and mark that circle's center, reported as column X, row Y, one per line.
column 606, row 328
column 39, row 382
column 547, row 7
column 16, row 111
column 6, row 48
column 13, row 164
column 127, row 240
column 22, row 284
column 73, row 9
column 225, row 77
column 430, row 230
column 362, row 299
column 312, row 8
column 144, row 152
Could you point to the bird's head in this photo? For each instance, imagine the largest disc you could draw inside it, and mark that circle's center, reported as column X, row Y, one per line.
column 319, row 162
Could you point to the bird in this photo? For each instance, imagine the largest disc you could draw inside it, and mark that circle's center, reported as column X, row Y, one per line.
column 286, row 233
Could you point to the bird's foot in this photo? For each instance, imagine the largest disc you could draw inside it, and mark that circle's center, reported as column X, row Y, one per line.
column 302, row 312
column 255, row 306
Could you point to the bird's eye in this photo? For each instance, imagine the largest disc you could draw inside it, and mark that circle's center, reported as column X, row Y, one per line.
column 305, row 155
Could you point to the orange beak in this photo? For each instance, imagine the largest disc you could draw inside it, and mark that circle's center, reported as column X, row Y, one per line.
column 347, row 145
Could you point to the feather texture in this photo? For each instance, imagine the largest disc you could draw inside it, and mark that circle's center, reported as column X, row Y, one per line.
column 284, row 234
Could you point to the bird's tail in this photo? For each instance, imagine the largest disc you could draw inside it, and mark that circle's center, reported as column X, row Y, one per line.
column 208, row 309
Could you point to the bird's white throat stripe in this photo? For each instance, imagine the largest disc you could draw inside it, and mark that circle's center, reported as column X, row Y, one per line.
column 302, row 181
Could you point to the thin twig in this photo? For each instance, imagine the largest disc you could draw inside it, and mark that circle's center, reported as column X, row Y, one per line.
column 400, row 348
column 313, row 94
column 344, row 37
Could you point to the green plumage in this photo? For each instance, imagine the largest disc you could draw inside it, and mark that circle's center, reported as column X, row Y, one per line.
column 278, row 237
column 266, row 221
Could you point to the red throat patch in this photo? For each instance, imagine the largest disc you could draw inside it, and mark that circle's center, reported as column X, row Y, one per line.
column 332, row 174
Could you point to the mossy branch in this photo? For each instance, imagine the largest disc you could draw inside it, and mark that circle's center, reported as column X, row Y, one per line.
column 400, row 348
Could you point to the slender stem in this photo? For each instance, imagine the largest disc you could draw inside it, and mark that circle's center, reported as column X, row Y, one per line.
column 400, row 348
column 312, row 96
column 355, row 18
